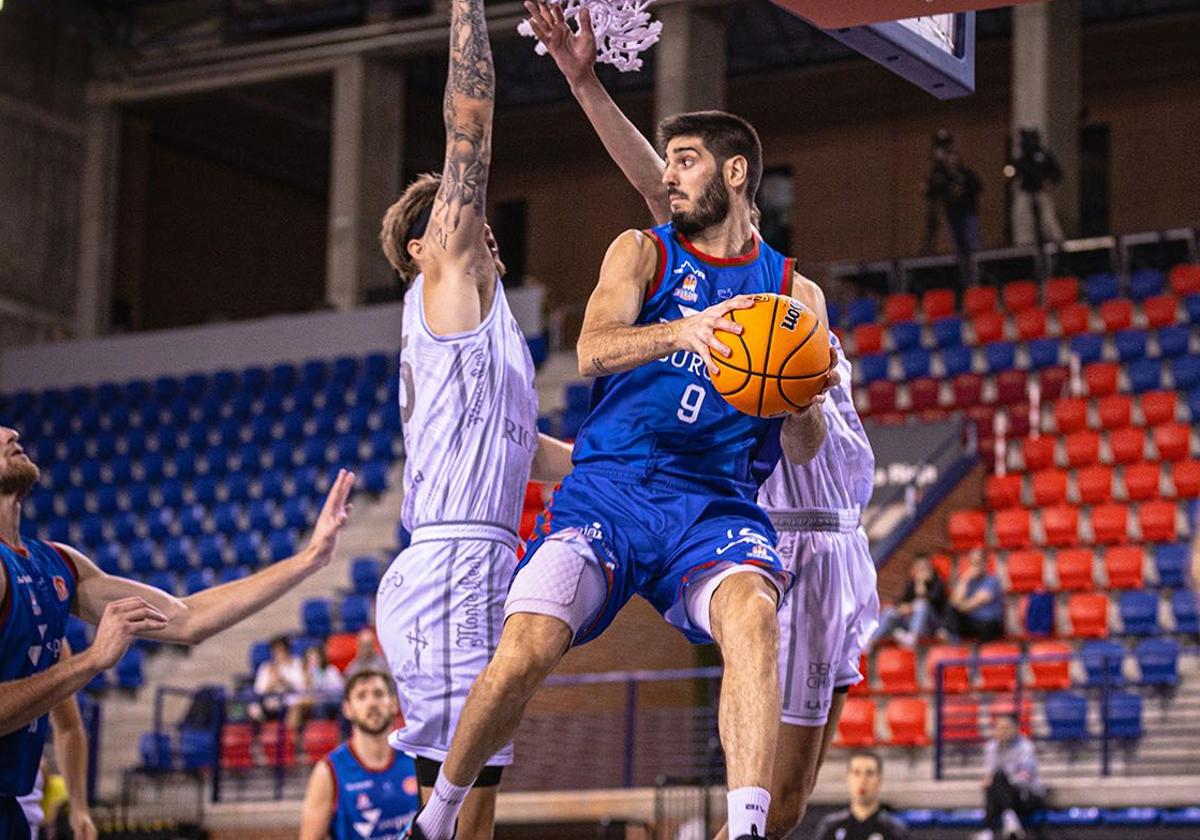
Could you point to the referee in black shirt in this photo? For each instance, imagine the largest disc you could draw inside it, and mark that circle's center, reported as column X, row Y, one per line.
column 864, row 819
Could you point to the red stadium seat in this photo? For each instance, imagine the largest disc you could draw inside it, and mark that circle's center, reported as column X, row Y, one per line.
column 1117, row 314
column 1128, row 445
column 1061, row 524
column 1185, row 279
column 1173, row 441
column 943, row 564
column 1074, row 319
column 896, row 669
column 1095, row 485
column 533, row 497
column 1101, row 378
column 237, row 746
column 1076, row 570
column 1158, row 407
column 1000, row 676
column 1020, row 295
column 1026, row 571
column 980, row 299
column 1142, row 481
column 988, row 327
column 1031, row 324
column 1012, row 387
column 868, row 338
column 1038, row 453
column 862, row 688
column 1049, row 487
column 1061, row 291
column 968, row 390
column 1161, row 310
column 983, row 418
column 900, row 307
column 1018, row 422
column 1054, row 382
column 277, row 750
column 906, row 718
column 1115, row 410
column 881, row 396
column 1088, row 613
column 856, row 727
column 1012, row 528
column 1123, row 564
column 937, row 303
column 1185, row 475
column 956, row 679
column 1008, row 706
column 1051, row 674
column 967, row 529
column 528, row 524
column 1003, row 491
column 340, row 649
column 1071, row 415
column 960, row 719
column 924, row 394
column 1157, row 521
column 1083, row 449
column 1110, row 524
column 320, row 738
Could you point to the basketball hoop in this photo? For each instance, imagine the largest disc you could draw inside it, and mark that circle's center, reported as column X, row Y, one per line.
column 624, row 29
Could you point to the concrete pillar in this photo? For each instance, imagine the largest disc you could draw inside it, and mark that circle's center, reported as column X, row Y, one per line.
column 366, row 156
column 1046, row 90
column 689, row 60
column 97, row 220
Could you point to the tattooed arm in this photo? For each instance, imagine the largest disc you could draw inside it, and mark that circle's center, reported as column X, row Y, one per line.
column 459, row 265
column 610, row 343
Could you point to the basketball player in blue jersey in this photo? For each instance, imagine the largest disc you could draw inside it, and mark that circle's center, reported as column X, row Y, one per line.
column 831, row 611
column 42, row 582
column 364, row 789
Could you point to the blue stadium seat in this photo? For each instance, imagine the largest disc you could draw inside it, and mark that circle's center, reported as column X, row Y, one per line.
column 60, row 474
column 1189, row 816
column 834, row 310
column 915, row 363
column 282, row 454
column 153, row 467
column 1173, row 341
column 88, row 419
column 1192, row 305
column 325, row 423
column 578, row 397
column 389, row 416
column 906, row 336
column 347, row 451
column 228, row 574
column 121, row 469
column 247, row 548
column 58, row 530
column 1088, row 348
column 194, row 386
column 118, row 417
column 545, row 425
column 76, row 502
column 272, row 404
column 1158, row 660
column 306, row 481
column 314, row 373
column 254, row 380
column 1131, row 344
column 1146, row 283
column 874, row 367
column 261, row 515
column 293, row 426
column 249, row 457
column 76, row 448
column 197, row 580
column 375, row 367
column 315, row 616
column 141, row 555
column 539, row 348
column 179, row 413
column 260, row 652
column 91, row 531
column 224, row 383
column 1066, row 715
column 1000, row 356
column 166, row 388
column 947, row 332
column 1130, row 816
column 358, row 420
column 237, row 487
column 1139, row 613
column 1101, row 287
column 108, row 394
column 149, row 415
column 262, row 430
column 918, row 819
column 197, row 748
column 60, row 425
column 106, row 445
column 375, row 476
column 159, row 523
column 108, row 558
column 297, row 513
column 210, row 548
column 1102, row 659
column 364, row 575
column 185, row 464
column 862, row 311
column 571, row 421
column 366, row 393
column 199, row 434
column 302, row 400
column 302, row 643
column 1144, row 375
column 229, row 432
column 227, row 517
column 78, row 635
column 283, row 377
column 1073, row 817
column 171, row 491
column 163, row 580
column 1124, row 717
column 125, row 527
column 1043, row 353
column 961, row 818
column 216, row 462
column 155, row 750
column 271, row 484
column 1185, row 371
column 107, row 499
column 281, row 544
column 383, row 446
column 1171, row 562
column 334, row 398
column 241, row 406
column 355, row 612
column 129, row 669
column 1183, row 605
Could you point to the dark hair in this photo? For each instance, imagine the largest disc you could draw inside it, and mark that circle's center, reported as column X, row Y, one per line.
column 871, row 754
column 725, row 135
column 365, row 674
column 281, row 639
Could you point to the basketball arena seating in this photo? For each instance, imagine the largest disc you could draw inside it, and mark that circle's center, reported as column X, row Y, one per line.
column 1093, row 387
column 185, row 482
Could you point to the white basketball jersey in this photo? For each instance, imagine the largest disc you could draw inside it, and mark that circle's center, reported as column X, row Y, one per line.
column 469, row 414
column 842, row 475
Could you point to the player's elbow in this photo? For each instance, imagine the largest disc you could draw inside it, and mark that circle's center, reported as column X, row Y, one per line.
column 584, row 356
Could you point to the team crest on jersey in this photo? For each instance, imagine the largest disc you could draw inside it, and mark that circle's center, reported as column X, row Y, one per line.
column 60, row 587
column 759, row 552
column 687, row 289
column 363, row 802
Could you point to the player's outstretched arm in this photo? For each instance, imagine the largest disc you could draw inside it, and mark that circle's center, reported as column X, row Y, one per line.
column 551, row 461
column 70, row 749
column 610, row 343
column 318, row 804
column 575, row 55
column 193, row 619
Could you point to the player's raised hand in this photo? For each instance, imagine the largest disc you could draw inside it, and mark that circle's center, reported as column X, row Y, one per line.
column 573, row 52
column 334, row 514
column 121, row 621
column 832, row 380
column 698, row 332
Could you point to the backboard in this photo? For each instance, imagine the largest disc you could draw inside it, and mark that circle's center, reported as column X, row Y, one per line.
column 935, row 52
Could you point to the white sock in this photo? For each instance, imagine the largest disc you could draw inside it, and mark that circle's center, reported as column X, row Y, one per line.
column 748, row 808
column 440, row 814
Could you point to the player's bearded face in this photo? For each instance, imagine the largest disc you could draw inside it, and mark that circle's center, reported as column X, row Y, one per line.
column 18, row 474
column 709, row 208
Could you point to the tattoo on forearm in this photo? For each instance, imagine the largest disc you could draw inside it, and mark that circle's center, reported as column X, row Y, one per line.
column 471, row 70
column 464, row 180
column 599, row 367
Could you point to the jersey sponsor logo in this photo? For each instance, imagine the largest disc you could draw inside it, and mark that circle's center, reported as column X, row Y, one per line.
column 518, row 434
column 470, row 631
column 593, row 532
column 819, row 675
column 351, row 787
column 60, row 587
column 724, row 294
column 747, row 536
column 33, row 603
column 410, row 785
column 370, row 819
column 24, row 579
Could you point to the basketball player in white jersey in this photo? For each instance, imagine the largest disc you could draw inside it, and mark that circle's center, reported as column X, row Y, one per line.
column 830, row 613
column 469, row 414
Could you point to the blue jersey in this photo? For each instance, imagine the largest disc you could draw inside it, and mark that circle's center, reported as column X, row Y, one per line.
column 33, row 621
column 371, row 804
column 664, row 418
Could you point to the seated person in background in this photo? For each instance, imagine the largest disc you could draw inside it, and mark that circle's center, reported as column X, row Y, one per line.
column 976, row 603
column 921, row 608
column 323, row 684
column 1012, row 790
column 277, row 682
column 368, row 657
column 865, row 819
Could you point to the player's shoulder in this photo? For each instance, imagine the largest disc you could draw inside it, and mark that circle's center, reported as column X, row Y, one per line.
column 639, row 250
column 892, row 822
column 832, row 821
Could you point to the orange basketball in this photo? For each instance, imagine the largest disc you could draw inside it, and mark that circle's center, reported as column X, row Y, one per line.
column 779, row 362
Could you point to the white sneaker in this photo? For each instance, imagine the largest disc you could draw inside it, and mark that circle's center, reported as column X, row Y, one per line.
column 986, row 834
column 1013, row 830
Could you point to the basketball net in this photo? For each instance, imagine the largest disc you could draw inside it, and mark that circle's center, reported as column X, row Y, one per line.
column 624, row 29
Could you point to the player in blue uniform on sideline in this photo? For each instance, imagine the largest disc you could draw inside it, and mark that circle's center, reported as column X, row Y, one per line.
column 41, row 582
column 661, row 499
column 364, row 789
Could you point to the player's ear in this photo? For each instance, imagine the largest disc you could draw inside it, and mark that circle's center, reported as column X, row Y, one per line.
column 414, row 249
column 737, row 169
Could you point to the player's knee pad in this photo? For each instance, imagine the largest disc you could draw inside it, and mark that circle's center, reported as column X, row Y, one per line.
column 700, row 593
column 562, row 579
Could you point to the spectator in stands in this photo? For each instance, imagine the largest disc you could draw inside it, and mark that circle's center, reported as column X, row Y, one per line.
column 921, row 609
column 976, row 603
column 1034, row 169
column 954, row 187
column 368, row 657
column 323, row 684
column 865, row 819
column 1012, row 789
column 278, row 683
